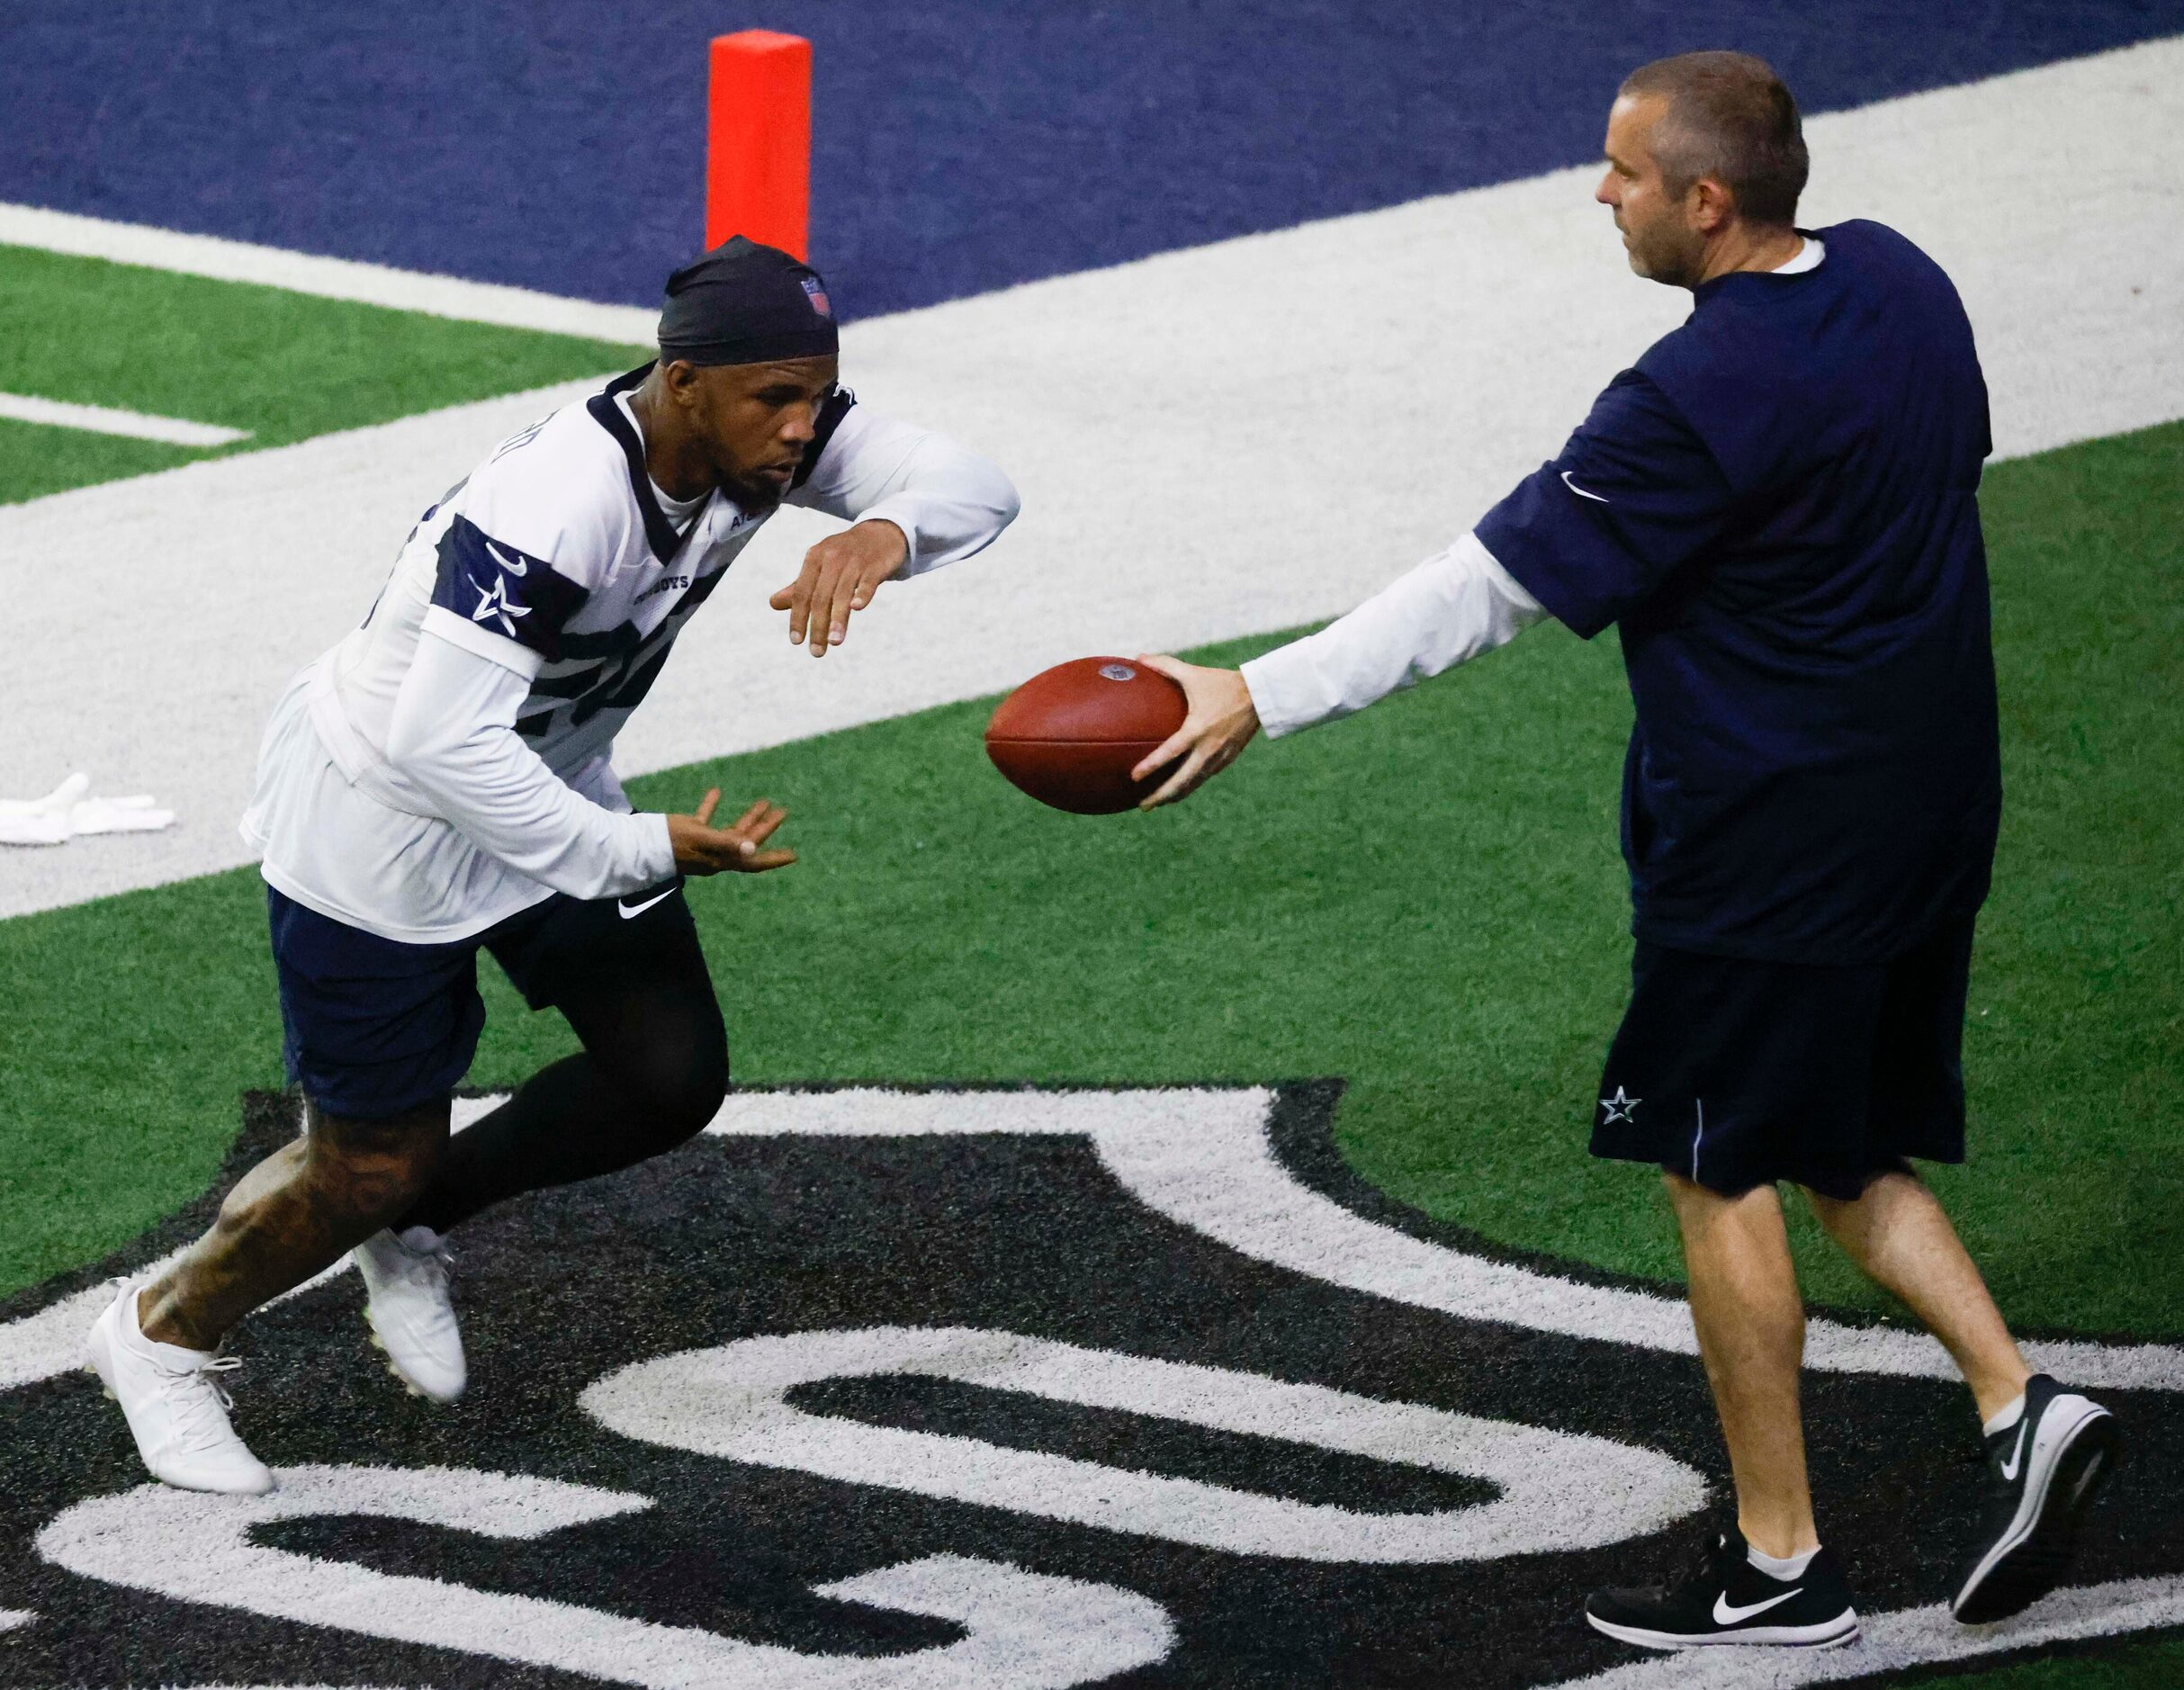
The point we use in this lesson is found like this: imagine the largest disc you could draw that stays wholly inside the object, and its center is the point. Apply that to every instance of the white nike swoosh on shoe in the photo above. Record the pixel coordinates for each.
(1598, 498)
(1724, 1614)
(628, 911)
(2016, 1456)
(2033, 1501)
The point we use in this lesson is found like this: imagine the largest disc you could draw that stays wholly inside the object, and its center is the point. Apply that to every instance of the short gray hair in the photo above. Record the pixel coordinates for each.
(1729, 117)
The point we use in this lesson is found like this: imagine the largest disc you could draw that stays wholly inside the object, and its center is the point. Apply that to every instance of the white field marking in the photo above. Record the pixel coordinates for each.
(1202, 1158)
(15, 1619)
(1021, 1630)
(217, 578)
(328, 278)
(1910, 1637)
(1558, 1490)
(1209, 443)
(101, 419)
(52, 1341)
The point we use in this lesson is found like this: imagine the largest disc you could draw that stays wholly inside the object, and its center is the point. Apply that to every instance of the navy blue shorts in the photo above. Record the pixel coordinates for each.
(375, 1028)
(1735, 1074)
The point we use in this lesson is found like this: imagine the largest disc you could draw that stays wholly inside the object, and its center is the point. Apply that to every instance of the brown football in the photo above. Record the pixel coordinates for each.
(1069, 735)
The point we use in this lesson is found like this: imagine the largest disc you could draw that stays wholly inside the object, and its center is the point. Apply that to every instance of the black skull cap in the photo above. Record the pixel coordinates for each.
(745, 304)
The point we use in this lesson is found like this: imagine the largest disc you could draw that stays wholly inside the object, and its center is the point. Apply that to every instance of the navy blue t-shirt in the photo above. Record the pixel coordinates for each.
(1778, 509)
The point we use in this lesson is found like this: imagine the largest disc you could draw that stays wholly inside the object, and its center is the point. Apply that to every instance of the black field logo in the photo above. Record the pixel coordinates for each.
(875, 1389)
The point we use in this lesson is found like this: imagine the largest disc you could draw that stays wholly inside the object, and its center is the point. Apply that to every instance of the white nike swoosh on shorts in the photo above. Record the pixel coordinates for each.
(1724, 1614)
(1598, 498)
(627, 912)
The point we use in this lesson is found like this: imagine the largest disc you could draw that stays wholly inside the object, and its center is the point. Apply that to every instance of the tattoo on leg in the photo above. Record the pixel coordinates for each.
(297, 1212)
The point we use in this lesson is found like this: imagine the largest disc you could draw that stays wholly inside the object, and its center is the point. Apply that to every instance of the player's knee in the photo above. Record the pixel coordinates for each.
(376, 1187)
(684, 1093)
(373, 1169)
(696, 1099)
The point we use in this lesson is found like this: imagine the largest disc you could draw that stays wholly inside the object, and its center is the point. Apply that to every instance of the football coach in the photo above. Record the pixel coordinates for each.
(1777, 508)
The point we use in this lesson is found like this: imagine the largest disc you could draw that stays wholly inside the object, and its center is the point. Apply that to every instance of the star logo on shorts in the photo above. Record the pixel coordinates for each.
(1619, 1108)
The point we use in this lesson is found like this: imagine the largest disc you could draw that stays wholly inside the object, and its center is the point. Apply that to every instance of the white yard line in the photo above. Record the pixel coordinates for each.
(1210, 443)
(101, 420)
(329, 278)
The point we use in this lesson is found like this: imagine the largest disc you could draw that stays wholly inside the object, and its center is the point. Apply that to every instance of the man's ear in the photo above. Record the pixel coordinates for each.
(1712, 206)
(681, 377)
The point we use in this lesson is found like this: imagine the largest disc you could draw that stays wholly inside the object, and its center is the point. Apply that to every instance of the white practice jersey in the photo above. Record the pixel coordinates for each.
(448, 764)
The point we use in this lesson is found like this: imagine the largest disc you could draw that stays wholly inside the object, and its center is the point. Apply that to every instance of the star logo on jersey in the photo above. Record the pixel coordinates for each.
(1619, 1108)
(494, 605)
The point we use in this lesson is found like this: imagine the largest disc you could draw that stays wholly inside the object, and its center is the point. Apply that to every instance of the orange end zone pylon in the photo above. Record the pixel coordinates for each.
(759, 140)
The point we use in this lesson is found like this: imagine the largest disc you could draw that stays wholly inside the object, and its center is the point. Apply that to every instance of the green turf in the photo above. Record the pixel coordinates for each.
(35, 460)
(282, 365)
(2144, 1667)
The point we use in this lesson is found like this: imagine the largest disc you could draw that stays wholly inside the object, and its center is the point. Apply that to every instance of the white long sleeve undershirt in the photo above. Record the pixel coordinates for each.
(453, 734)
(949, 502)
(1448, 610)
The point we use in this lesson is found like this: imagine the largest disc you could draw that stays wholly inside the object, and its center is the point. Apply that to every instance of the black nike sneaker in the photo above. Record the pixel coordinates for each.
(2042, 1476)
(1722, 1598)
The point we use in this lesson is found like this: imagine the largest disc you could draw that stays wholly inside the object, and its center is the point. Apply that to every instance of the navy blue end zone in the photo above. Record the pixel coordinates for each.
(960, 146)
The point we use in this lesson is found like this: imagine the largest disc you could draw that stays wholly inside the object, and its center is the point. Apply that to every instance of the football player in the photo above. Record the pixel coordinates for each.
(440, 783)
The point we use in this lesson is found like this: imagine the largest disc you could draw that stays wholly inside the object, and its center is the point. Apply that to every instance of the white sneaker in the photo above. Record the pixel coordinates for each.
(409, 1312)
(176, 1412)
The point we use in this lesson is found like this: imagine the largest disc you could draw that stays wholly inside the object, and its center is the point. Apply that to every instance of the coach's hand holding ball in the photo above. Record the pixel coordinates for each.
(701, 849)
(1092, 736)
(1220, 723)
(839, 575)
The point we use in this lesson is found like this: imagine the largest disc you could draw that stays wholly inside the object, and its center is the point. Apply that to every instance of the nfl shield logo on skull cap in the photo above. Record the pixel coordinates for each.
(816, 290)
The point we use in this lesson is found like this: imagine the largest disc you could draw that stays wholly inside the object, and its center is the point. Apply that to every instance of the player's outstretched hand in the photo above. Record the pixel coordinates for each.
(839, 575)
(701, 849)
(1220, 721)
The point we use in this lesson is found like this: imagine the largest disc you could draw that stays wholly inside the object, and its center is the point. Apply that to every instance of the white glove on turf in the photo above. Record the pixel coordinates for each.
(71, 809)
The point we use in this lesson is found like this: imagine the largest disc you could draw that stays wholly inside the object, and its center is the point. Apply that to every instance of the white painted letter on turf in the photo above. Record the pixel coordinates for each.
(1021, 1630)
(1558, 1490)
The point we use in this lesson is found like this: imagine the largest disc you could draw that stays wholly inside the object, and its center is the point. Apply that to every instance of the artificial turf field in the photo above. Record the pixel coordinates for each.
(1440, 923)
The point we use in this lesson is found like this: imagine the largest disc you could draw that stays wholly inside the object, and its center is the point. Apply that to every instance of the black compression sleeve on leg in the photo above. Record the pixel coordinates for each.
(653, 1072)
